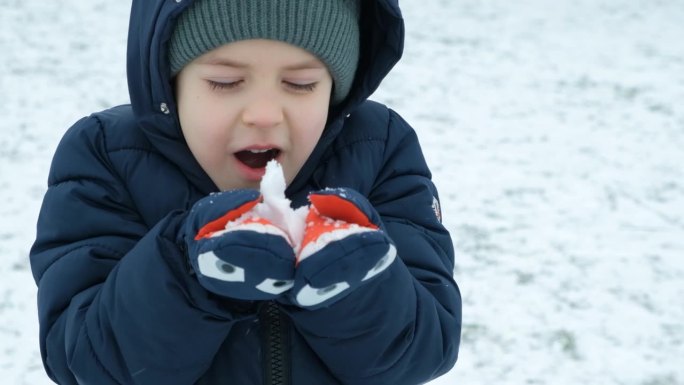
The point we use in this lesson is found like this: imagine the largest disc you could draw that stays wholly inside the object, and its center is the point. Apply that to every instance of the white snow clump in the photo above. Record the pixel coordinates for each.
(276, 207)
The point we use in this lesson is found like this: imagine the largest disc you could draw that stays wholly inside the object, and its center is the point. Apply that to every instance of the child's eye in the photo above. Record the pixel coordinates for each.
(217, 86)
(308, 87)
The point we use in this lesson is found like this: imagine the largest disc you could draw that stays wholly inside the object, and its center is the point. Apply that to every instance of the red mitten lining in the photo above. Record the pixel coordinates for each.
(220, 224)
(334, 216)
(336, 207)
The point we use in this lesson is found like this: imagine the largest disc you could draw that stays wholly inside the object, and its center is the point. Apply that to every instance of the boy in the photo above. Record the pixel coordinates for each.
(151, 264)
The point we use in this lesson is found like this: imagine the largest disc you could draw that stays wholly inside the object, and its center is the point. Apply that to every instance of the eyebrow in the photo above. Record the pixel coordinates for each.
(309, 64)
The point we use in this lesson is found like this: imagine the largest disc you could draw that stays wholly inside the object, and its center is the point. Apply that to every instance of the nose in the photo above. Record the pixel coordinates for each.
(263, 112)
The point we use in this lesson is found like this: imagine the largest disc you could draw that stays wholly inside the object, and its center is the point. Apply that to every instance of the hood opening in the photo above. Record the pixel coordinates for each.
(152, 92)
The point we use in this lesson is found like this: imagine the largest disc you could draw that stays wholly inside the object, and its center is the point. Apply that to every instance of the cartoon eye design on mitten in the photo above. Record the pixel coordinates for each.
(382, 264)
(275, 286)
(213, 267)
(310, 296)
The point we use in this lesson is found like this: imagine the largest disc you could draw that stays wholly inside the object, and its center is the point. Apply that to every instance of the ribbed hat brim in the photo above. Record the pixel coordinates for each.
(328, 29)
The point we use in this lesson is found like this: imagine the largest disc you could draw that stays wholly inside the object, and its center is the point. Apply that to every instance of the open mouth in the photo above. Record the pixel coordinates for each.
(257, 158)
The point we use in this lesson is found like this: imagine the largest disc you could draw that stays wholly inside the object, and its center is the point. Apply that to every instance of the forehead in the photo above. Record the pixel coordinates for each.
(247, 53)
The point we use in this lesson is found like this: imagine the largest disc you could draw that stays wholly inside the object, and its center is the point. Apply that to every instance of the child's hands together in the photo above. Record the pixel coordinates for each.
(245, 250)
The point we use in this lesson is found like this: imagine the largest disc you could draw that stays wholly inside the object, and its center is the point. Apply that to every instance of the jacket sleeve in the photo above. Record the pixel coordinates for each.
(116, 301)
(403, 328)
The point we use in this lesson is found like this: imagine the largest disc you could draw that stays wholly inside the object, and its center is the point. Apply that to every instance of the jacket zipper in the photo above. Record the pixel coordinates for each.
(275, 340)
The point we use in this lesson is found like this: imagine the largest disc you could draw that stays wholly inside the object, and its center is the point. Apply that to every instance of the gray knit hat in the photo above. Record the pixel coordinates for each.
(329, 29)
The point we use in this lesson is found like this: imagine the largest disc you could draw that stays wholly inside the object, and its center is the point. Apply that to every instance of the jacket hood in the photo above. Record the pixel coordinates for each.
(151, 91)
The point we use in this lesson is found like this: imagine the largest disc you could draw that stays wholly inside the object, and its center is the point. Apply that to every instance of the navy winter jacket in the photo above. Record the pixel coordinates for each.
(116, 299)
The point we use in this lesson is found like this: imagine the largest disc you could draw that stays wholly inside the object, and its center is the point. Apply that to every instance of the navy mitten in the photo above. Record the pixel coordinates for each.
(343, 248)
(234, 252)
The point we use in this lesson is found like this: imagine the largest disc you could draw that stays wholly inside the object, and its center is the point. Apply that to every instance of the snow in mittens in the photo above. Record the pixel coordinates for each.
(276, 207)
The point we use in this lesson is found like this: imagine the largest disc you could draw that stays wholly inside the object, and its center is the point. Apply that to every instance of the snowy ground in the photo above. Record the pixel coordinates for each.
(555, 130)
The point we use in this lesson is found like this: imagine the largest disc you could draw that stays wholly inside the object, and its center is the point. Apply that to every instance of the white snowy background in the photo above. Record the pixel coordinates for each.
(555, 131)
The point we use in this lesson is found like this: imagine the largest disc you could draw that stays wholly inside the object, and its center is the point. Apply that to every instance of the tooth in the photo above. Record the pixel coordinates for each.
(259, 151)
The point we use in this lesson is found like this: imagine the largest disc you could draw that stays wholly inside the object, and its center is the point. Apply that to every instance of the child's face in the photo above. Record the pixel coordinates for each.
(247, 102)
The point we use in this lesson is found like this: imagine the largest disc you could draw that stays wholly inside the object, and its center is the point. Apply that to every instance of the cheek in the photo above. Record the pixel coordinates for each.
(312, 135)
(310, 126)
(195, 107)
(205, 135)
(312, 119)
(201, 121)
(311, 122)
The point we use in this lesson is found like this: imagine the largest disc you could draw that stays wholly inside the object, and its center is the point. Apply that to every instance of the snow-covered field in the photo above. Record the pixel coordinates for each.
(555, 130)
